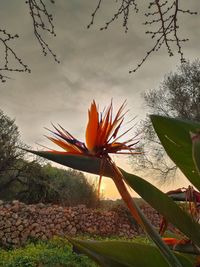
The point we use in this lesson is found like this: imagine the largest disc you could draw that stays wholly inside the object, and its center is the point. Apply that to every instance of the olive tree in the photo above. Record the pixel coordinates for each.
(177, 96)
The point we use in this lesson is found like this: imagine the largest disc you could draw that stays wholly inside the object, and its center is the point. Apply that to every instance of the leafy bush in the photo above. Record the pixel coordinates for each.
(33, 181)
(54, 253)
(68, 187)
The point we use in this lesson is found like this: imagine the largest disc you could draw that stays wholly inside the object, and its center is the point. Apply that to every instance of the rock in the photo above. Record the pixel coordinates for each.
(20, 228)
(41, 205)
(73, 231)
(15, 216)
(15, 202)
(18, 222)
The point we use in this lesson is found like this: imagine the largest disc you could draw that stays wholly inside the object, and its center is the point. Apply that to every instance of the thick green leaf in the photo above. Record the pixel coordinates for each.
(153, 234)
(82, 163)
(165, 206)
(156, 198)
(174, 135)
(125, 254)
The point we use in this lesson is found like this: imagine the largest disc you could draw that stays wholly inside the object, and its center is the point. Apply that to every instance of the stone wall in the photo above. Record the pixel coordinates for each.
(19, 222)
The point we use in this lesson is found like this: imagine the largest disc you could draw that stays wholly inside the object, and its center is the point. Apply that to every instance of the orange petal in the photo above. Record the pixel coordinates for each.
(104, 127)
(92, 127)
(68, 147)
(116, 124)
(170, 240)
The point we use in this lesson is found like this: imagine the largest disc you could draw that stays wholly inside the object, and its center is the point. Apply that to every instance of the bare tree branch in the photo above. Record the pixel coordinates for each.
(10, 56)
(162, 18)
(123, 10)
(162, 15)
(42, 22)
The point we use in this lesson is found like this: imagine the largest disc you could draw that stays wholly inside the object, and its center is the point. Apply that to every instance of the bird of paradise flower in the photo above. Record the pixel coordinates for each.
(101, 137)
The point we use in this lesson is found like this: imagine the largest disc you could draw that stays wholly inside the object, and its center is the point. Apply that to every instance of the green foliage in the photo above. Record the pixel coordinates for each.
(9, 139)
(178, 96)
(152, 195)
(165, 206)
(33, 182)
(174, 135)
(181, 141)
(10, 154)
(49, 184)
(54, 185)
(54, 253)
(124, 254)
(15, 171)
(92, 164)
(68, 187)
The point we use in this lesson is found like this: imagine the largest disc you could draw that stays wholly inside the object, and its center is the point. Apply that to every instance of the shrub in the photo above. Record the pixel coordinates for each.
(53, 253)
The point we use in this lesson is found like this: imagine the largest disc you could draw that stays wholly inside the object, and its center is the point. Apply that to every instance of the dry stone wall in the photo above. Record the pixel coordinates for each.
(20, 222)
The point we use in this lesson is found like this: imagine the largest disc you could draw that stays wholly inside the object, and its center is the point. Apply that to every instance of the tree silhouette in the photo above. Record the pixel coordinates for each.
(177, 96)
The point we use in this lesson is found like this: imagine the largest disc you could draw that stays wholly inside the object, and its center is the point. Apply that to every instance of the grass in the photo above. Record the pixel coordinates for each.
(56, 252)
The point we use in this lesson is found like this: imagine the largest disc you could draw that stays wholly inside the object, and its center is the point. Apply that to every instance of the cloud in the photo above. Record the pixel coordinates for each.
(94, 65)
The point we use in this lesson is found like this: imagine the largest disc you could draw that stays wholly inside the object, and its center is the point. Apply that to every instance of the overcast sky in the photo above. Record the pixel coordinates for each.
(94, 65)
